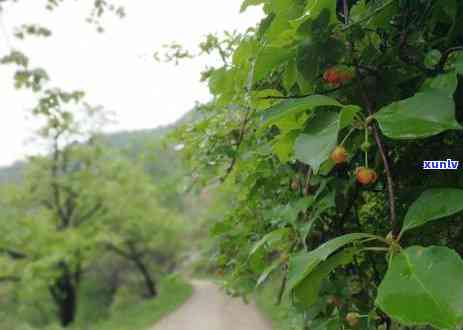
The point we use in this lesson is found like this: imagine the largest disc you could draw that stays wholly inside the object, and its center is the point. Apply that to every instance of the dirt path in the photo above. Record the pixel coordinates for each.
(210, 309)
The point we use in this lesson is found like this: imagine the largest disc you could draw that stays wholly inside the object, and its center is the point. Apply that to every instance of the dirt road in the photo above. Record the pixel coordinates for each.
(210, 309)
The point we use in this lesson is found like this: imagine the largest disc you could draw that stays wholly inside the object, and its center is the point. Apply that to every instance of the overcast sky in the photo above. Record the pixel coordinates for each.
(116, 69)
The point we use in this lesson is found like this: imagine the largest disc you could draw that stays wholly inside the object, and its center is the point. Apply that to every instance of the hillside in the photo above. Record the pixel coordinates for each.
(131, 143)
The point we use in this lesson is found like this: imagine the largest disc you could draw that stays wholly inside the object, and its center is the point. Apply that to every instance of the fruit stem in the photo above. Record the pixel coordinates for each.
(347, 136)
(366, 150)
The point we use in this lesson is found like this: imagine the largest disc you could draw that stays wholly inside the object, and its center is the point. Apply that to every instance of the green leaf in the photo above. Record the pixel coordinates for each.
(459, 63)
(423, 115)
(309, 57)
(270, 238)
(423, 286)
(446, 82)
(315, 8)
(269, 59)
(283, 145)
(432, 58)
(244, 53)
(358, 11)
(262, 99)
(308, 290)
(295, 106)
(347, 115)
(302, 264)
(433, 204)
(312, 58)
(249, 3)
(290, 76)
(219, 81)
(280, 32)
(315, 146)
(265, 274)
(450, 7)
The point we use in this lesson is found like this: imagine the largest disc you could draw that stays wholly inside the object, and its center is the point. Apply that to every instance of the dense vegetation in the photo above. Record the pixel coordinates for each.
(322, 118)
(87, 221)
(94, 228)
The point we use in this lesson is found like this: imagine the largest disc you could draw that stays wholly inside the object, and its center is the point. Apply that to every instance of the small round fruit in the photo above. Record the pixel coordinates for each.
(339, 155)
(330, 75)
(366, 175)
(353, 319)
(365, 146)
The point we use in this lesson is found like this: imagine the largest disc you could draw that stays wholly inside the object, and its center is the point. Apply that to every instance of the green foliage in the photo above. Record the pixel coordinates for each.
(366, 75)
(77, 204)
(413, 289)
(416, 117)
(432, 205)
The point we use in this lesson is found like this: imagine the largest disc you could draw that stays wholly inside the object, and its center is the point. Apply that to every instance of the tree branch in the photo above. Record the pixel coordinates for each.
(390, 184)
(91, 212)
(14, 254)
(118, 251)
(282, 289)
(242, 132)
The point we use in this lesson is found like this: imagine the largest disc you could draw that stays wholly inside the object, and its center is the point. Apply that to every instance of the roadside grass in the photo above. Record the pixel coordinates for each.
(281, 316)
(173, 292)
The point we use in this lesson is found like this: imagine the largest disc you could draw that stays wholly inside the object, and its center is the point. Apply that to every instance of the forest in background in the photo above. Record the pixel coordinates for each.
(134, 260)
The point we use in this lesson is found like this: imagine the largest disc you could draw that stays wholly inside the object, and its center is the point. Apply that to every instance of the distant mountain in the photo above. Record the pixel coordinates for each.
(12, 173)
(130, 142)
(161, 161)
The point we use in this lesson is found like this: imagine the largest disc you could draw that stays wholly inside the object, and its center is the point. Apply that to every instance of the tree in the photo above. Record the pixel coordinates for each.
(138, 228)
(79, 200)
(57, 205)
(380, 80)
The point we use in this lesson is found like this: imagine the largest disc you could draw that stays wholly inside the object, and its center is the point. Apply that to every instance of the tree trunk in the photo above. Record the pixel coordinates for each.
(64, 293)
(152, 291)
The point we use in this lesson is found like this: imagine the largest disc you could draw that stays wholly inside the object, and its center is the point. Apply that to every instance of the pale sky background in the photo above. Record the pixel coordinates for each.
(116, 69)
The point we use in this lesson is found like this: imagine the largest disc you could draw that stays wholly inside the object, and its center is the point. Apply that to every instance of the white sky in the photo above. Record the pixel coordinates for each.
(116, 69)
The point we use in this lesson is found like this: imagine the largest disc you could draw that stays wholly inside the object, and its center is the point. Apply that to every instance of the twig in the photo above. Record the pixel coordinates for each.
(346, 12)
(379, 143)
(244, 124)
(328, 91)
(247, 116)
(282, 289)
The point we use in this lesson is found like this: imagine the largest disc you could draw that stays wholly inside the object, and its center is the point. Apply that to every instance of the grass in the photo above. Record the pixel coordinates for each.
(173, 292)
(280, 316)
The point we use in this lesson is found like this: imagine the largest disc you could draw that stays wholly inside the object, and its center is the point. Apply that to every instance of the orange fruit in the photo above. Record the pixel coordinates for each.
(366, 175)
(353, 319)
(336, 76)
(339, 155)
